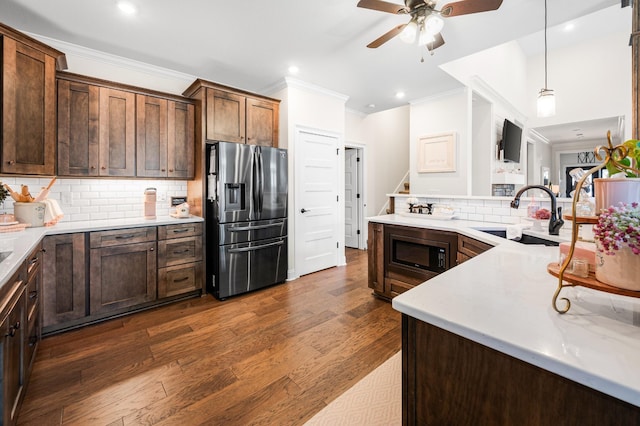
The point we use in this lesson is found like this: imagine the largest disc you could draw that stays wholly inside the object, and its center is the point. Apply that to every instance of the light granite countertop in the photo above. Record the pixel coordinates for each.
(21, 243)
(503, 299)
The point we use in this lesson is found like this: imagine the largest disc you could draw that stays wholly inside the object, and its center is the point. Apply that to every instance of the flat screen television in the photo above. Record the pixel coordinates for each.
(511, 141)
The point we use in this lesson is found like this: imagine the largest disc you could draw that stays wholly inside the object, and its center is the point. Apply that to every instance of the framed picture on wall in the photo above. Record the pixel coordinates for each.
(437, 153)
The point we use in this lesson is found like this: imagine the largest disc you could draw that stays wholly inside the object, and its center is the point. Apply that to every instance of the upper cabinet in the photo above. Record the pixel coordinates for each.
(232, 115)
(28, 104)
(109, 129)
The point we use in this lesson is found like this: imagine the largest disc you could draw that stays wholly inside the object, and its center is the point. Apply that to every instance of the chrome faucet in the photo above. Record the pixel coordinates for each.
(555, 222)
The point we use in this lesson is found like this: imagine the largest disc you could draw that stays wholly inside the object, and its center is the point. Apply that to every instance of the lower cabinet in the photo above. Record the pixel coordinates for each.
(20, 333)
(64, 280)
(469, 248)
(93, 276)
(123, 269)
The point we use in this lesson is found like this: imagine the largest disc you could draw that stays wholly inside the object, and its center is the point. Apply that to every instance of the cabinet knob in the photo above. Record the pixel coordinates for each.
(170, 170)
(93, 167)
(33, 295)
(151, 249)
(162, 170)
(13, 329)
(103, 168)
(11, 162)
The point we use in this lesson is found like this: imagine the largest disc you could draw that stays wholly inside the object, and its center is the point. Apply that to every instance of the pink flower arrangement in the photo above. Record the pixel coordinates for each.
(618, 225)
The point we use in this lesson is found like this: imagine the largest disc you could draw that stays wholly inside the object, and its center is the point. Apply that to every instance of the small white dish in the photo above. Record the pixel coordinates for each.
(9, 223)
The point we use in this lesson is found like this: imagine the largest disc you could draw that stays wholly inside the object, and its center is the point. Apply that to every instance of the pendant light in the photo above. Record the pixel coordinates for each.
(546, 97)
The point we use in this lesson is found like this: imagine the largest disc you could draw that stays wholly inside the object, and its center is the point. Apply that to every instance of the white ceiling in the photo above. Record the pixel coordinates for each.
(250, 44)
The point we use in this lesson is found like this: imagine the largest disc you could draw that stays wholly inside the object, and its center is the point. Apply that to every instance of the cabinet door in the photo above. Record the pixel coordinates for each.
(117, 133)
(78, 118)
(28, 110)
(375, 249)
(262, 122)
(33, 331)
(225, 116)
(12, 334)
(180, 145)
(180, 279)
(151, 138)
(63, 279)
(122, 276)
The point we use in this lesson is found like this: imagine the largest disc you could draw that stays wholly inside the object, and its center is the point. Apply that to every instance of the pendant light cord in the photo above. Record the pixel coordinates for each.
(545, 44)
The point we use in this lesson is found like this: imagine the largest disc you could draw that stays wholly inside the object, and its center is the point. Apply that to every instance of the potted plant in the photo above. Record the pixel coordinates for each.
(617, 236)
(623, 185)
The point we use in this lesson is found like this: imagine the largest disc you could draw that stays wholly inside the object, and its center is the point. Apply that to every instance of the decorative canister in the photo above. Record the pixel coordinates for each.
(621, 269)
(31, 213)
(612, 191)
(150, 203)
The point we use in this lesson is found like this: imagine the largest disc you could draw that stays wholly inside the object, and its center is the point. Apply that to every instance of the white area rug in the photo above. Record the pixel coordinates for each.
(374, 400)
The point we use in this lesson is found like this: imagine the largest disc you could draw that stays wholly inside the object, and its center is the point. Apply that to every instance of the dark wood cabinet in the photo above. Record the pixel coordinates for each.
(33, 313)
(117, 133)
(123, 269)
(451, 380)
(28, 104)
(469, 248)
(180, 267)
(233, 115)
(164, 141)
(78, 132)
(402, 257)
(375, 253)
(111, 129)
(262, 122)
(64, 280)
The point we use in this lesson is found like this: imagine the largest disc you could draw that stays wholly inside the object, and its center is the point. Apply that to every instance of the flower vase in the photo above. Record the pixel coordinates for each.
(612, 191)
(621, 269)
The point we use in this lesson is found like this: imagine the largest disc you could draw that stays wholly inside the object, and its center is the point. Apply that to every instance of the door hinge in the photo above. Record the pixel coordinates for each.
(357, 195)
(337, 198)
(358, 232)
(337, 244)
(337, 151)
(357, 159)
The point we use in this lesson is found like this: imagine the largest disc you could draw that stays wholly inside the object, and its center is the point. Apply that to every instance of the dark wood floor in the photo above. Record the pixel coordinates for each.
(272, 357)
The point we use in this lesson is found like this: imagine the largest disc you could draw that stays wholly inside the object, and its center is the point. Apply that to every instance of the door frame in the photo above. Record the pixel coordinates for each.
(362, 201)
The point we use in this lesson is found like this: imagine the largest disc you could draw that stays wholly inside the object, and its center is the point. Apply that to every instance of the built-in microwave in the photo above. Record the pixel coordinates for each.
(417, 253)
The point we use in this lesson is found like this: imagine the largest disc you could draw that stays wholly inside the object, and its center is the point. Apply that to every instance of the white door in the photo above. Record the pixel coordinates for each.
(316, 203)
(351, 212)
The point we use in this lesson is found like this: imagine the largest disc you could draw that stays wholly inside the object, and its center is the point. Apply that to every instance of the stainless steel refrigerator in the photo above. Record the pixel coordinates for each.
(246, 218)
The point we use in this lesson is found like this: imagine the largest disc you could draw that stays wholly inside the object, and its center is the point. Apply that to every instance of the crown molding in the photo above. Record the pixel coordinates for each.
(289, 82)
(437, 96)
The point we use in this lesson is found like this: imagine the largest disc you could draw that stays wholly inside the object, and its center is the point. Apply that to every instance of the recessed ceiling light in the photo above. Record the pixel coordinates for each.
(569, 27)
(293, 69)
(371, 105)
(127, 8)
(399, 95)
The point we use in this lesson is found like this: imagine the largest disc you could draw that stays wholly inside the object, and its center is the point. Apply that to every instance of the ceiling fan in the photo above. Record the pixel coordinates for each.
(426, 22)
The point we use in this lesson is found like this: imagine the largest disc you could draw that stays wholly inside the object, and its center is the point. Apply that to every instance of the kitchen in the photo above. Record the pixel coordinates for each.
(177, 188)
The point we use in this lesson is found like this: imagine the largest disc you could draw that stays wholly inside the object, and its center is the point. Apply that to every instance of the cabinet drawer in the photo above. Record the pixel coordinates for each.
(471, 247)
(179, 250)
(33, 298)
(177, 231)
(121, 236)
(176, 280)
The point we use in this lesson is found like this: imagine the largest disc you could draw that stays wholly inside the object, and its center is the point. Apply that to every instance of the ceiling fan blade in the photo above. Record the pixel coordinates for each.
(466, 7)
(382, 6)
(386, 37)
(439, 41)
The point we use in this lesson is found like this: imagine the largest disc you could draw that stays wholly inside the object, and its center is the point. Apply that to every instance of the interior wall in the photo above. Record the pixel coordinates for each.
(449, 112)
(386, 136)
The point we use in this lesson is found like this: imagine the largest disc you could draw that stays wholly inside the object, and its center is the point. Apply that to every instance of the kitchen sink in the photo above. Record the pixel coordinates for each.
(526, 239)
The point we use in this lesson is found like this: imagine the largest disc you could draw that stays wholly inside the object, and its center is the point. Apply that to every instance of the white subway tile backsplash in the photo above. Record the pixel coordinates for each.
(93, 199)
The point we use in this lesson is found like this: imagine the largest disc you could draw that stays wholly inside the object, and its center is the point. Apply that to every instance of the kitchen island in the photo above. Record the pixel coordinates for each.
(482, 343)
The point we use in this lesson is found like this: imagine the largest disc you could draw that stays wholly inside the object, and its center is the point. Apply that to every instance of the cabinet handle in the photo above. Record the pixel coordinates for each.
(181, 251)
(13, 329)
(33, 295)
(124, 237)
(33, 340)
(33, 261)
(181, 280)
(180, 231)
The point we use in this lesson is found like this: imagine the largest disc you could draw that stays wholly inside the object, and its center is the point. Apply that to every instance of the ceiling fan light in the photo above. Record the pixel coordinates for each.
(408, 34)
(433, 24)
(425, 37)
(546, 103)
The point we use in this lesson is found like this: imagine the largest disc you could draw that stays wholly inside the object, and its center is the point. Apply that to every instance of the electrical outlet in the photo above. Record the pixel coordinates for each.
(162, 196)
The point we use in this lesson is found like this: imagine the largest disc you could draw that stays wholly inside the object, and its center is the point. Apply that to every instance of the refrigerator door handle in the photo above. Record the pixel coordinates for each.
(261, 178)
(255, 181)
(250, 228)
(254, 248)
